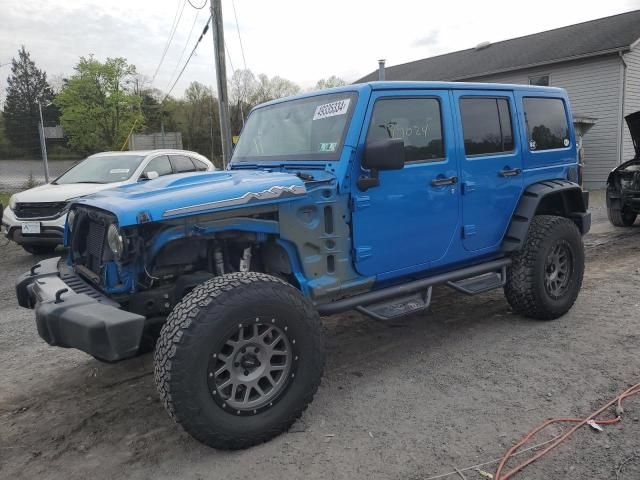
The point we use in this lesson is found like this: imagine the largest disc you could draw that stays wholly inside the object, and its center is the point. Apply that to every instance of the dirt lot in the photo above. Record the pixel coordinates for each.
(409, 400)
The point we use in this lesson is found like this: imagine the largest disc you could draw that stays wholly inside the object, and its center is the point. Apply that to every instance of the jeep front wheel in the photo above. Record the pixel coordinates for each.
(545, 277)
(239, 359)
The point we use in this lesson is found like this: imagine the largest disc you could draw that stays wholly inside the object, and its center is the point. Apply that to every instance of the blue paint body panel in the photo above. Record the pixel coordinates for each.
(404, 228)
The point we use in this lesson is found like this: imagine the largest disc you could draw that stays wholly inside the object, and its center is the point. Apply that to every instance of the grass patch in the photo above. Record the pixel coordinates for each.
(4, 199)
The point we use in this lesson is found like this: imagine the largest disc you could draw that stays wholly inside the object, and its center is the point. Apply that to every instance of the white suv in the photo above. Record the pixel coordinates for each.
(35, 218)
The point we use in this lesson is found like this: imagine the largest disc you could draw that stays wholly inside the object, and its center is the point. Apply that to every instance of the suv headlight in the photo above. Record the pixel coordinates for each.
(114, 240)
(12, 202)
(71, 216)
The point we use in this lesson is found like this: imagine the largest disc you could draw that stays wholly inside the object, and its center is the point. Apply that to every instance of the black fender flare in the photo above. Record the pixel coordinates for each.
(552, 197)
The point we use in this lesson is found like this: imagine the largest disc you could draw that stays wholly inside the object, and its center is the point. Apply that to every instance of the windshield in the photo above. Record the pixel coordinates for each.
(310, 128)
(101, 169)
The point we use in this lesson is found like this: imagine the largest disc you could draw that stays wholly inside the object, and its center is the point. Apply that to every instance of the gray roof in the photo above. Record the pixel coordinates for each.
(596, 37)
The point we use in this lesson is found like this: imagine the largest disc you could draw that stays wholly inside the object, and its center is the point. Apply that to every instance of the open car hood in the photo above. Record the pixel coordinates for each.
(633, 121)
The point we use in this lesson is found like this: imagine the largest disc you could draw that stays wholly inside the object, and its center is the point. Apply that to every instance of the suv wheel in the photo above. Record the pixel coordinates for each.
(620, 218)
(545, 277)
(239, 359)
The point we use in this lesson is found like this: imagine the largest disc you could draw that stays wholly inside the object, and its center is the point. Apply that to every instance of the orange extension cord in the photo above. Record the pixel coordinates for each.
(579, 423)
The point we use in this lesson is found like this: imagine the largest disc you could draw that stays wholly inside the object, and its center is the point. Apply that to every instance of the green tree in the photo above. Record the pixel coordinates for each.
(99, 105)
(26, 85)
(330, 82)
(196, 117)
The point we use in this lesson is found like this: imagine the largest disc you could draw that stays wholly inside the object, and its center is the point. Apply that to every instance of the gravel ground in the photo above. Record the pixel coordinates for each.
(406, 400)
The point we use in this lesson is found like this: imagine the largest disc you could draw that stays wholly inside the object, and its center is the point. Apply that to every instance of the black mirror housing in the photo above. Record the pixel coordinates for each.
(387, 154)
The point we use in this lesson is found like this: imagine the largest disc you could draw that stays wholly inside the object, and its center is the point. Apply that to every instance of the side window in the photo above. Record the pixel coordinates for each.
(160, 165)
(547, 126)
(486, 125)
(182, 164)
(415, 120)
(200, 166)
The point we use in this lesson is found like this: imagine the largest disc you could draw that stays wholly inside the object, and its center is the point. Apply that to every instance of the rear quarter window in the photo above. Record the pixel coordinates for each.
(546, 120)
(182, 164)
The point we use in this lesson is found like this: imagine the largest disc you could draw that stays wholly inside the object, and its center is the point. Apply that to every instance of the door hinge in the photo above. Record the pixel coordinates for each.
(469, 231)
(360, 202)
(467, 187)
(363, 253)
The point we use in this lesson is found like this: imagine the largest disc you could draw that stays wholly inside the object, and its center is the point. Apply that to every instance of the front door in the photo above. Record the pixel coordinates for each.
(490, 166)
(410, 219)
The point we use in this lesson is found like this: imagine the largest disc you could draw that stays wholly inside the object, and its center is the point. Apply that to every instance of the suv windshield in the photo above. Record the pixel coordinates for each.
(101, 169)
(310, 128)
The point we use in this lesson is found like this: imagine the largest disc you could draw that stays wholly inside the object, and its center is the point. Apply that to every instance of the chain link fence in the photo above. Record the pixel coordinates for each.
(18, 175)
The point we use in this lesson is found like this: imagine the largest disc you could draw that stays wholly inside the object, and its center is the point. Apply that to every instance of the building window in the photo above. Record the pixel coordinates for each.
(414, 120)
(547, 126)
(539, 80)
(486, 125)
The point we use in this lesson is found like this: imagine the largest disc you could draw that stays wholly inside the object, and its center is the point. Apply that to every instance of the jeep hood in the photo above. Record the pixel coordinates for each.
(633, 122)
(191, 194)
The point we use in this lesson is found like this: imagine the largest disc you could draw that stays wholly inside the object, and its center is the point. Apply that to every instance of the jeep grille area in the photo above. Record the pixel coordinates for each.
(88, 238)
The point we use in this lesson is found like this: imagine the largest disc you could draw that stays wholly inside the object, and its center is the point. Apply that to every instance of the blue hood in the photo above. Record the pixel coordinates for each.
(189, 194)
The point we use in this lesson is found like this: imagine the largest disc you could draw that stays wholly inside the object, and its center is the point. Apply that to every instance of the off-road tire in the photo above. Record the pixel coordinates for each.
(199, 321)
(39, 249)
(525, 286)
(620, 218)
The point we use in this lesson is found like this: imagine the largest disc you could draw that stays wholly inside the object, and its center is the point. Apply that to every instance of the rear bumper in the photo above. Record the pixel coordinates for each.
(72, 314)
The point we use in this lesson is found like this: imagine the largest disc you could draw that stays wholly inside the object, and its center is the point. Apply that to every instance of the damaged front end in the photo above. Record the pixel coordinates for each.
(623, 184)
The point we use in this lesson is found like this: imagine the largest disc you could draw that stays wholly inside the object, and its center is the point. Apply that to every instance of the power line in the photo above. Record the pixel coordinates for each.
(244, 60)
(226, 47)
(174, 27)
(198, 8)
(204, 31)
(183, 49)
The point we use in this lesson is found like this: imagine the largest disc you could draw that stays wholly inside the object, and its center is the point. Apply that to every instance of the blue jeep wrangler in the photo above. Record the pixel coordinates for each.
(361, 197)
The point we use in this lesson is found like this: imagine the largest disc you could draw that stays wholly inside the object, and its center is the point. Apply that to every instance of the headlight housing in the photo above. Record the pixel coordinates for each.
(71, 216)
(12, 202)
(114, 240)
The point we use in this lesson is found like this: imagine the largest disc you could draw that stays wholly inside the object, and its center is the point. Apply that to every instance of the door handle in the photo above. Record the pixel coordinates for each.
(510, 172)
(441, 181)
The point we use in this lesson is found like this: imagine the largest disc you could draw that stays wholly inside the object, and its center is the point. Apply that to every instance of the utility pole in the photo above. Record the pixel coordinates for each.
(221, 77)
(43, 146)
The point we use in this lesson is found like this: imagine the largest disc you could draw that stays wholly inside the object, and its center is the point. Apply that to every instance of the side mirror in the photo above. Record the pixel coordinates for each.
(387, 154)
(149, 175)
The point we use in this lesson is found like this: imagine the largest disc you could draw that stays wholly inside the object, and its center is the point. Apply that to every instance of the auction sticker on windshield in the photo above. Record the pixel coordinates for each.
(332, 109)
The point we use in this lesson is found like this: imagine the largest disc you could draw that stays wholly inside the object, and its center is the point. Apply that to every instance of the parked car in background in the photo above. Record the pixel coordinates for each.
(623, 184)
(35, 218)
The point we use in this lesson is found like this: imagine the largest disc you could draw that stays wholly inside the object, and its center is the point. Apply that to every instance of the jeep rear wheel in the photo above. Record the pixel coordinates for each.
(620, 218)
(545, 277)
(239, 359)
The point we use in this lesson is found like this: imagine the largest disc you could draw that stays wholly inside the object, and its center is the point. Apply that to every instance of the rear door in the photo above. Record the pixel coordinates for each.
(410, 219)
(491, 165)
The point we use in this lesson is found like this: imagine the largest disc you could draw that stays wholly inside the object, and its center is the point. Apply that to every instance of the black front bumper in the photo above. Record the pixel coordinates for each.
(70, 313)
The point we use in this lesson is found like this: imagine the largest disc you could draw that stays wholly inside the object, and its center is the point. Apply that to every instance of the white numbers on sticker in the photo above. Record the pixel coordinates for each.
(332, 109)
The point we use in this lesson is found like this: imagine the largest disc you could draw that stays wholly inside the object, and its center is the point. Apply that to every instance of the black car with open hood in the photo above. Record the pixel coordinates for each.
(623, 184)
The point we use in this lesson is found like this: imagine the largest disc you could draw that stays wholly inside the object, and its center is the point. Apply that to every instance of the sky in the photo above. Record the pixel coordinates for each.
(302, 41)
